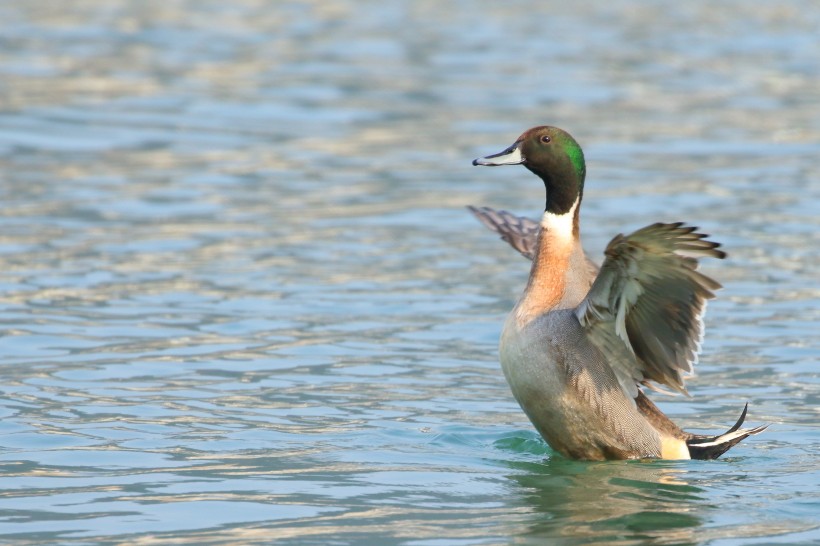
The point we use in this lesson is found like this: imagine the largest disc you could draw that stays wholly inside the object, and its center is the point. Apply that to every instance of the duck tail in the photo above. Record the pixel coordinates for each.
(712, 447)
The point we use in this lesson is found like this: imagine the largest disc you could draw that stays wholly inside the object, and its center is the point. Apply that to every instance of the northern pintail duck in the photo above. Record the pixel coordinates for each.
(582, 342)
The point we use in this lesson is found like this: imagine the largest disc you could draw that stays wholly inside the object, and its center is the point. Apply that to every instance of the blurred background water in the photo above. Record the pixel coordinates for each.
(241, 300)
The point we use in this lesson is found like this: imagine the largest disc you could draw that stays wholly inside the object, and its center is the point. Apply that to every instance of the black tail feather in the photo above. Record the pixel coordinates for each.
(712, 447)
(739, 421)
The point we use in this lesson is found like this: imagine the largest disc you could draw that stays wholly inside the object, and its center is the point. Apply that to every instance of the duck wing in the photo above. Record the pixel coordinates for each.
(645, 308)
(520, 232)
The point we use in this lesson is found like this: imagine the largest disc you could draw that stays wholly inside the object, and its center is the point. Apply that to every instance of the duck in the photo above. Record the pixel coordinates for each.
(583, 342)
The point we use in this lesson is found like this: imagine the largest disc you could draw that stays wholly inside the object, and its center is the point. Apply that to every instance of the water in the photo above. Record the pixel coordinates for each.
(242, 301)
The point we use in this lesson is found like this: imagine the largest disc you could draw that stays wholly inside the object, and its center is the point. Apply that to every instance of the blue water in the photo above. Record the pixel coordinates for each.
(241, 300)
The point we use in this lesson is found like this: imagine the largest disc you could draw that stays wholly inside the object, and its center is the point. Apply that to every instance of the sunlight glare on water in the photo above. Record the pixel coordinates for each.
(242, 300)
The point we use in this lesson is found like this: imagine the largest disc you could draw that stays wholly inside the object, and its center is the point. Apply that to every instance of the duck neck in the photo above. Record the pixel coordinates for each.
(564, 197)
(557, 255)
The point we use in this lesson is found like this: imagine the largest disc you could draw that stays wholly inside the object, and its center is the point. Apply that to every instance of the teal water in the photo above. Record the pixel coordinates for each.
(241, 300)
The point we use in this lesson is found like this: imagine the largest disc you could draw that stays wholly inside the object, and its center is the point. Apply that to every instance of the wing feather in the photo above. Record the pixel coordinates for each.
(649, 297)
(520, 232)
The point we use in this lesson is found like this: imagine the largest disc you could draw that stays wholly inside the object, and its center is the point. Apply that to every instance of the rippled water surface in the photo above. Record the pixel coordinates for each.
(242, 300)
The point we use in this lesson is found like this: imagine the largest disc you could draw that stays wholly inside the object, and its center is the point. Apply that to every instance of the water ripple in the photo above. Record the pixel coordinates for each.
(241, 300)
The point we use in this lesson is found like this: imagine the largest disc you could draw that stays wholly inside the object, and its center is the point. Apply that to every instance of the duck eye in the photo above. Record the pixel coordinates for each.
(546, 139)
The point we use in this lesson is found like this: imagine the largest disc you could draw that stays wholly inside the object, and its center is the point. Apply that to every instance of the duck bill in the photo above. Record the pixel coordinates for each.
(510, 156)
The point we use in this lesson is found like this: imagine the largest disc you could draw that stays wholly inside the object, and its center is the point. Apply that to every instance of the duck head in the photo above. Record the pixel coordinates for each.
(555, 157)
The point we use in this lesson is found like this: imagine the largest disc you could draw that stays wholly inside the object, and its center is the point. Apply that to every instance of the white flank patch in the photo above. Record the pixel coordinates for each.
(560, 226)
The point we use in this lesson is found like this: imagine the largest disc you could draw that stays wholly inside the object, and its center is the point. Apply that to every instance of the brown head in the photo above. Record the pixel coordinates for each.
(555, 157)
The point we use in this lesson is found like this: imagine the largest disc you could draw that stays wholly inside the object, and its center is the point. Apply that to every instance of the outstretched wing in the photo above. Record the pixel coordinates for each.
(645, 308)
(520, 232)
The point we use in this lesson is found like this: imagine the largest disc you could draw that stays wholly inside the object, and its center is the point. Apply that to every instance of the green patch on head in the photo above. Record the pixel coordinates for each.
(576, 155)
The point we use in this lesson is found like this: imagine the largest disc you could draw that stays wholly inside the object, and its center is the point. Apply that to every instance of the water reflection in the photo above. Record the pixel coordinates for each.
(611, 501)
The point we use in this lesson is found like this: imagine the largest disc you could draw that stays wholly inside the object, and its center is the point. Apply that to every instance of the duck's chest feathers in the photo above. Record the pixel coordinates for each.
(559, 276)
(544, 379)
(532, 358)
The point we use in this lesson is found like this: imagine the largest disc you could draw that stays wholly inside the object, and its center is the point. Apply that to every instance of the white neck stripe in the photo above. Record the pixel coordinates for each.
(560, 225)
